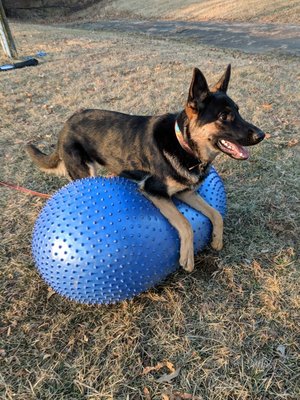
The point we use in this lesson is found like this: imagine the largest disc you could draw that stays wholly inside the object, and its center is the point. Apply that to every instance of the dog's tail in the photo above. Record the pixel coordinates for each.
(48, 163)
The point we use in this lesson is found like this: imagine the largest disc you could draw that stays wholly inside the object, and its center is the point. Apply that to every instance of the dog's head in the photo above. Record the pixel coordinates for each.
(214, 123)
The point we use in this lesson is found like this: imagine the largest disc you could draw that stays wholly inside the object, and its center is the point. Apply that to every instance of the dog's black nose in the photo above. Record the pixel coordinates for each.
(257, 135)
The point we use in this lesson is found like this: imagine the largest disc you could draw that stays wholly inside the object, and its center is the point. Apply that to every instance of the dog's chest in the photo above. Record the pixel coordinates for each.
(175, 186)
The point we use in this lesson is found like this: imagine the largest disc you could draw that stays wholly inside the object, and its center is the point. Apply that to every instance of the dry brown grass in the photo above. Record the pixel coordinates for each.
(279, 11)
(232, 327)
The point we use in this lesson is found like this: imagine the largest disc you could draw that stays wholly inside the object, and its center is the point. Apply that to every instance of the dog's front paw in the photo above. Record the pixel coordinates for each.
(217, 242)
(187, 258)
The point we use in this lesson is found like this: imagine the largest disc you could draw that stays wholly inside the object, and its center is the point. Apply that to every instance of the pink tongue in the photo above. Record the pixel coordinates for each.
(239, 151)
(235, 150)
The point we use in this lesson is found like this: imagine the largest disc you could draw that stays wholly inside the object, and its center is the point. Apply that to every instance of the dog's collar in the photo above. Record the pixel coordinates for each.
(185, 145)
(181, 140)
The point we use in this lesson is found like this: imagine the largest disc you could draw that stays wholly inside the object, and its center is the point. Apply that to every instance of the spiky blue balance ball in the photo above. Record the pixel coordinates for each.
(100, 240)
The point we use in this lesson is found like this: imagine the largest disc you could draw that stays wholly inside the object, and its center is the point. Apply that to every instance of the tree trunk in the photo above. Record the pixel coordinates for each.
(6, 38)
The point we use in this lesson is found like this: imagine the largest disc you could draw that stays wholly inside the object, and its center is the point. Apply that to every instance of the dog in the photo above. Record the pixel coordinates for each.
(167, 155)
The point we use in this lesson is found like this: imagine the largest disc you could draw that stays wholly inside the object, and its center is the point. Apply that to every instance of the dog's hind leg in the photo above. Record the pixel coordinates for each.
(195, 201)
(77, 162)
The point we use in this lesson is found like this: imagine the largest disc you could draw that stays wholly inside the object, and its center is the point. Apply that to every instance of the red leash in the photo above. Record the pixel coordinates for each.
(24, 190)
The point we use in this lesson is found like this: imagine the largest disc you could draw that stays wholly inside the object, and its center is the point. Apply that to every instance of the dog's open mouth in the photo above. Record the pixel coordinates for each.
(234, 150)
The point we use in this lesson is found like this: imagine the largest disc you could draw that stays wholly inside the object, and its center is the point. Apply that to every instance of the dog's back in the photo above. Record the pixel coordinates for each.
(117, 141)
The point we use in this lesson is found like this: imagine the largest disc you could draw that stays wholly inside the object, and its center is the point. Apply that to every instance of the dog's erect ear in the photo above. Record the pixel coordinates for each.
(198, 92)
(222, 84)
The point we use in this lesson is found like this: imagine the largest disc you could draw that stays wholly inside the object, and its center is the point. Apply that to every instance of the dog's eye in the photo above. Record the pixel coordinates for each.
(223, 116)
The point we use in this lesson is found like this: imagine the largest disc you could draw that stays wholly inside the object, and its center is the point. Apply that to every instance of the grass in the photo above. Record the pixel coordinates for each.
(278, 11)
(231, 328)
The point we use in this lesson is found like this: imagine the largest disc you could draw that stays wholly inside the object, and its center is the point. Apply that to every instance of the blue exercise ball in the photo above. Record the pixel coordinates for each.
(99, 240)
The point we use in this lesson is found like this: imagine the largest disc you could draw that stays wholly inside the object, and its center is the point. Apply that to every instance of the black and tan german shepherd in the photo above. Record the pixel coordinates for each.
(168, 155)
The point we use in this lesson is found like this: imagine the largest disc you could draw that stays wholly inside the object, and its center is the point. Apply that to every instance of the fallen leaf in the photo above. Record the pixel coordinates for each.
(168, 377)
(257, 270)
(2, 353)
(147, 394)
(159, 366)
(181, 396)
(50, 293)
(170, 366)
(267, 106)
(150, 369)
(85, 338)
(293, 142)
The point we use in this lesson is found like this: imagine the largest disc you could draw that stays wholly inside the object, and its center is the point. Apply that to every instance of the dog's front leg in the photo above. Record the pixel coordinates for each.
(194, 200)
(181, 224)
